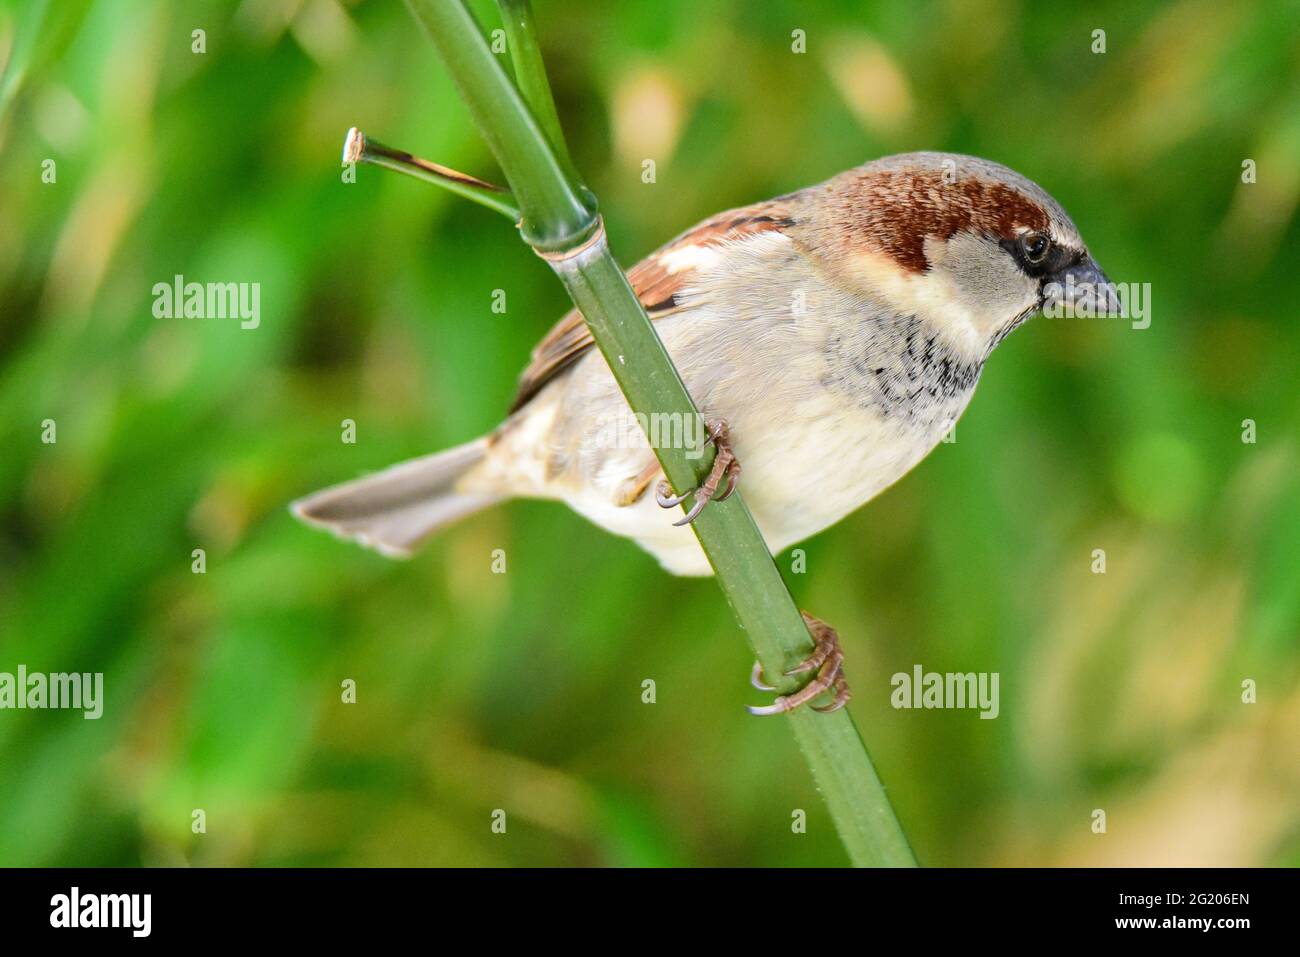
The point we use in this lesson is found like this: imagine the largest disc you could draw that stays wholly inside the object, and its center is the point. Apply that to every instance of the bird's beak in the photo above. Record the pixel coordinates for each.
(1081, 289)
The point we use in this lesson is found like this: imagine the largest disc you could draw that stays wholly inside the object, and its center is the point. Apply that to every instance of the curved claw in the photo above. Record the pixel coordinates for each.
(756, 678)
(665, 498)
(694, 513)
(779, 706)
(842, 696)
(733, 479)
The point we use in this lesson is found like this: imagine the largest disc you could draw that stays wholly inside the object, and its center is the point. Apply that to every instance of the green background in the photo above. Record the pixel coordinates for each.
(523, 691)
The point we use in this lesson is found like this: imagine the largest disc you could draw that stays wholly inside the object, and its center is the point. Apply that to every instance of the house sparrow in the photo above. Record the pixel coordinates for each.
(837, 331)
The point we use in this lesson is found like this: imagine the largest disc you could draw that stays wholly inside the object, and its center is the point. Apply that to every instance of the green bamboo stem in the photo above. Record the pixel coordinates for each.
(564, 229)
(556, 213)
(534, 84)
(358, 148)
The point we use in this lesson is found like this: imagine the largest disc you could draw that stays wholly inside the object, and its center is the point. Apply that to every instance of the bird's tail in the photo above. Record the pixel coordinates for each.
(395, 510)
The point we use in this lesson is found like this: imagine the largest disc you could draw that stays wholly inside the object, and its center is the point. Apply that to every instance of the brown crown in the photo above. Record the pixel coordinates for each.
(896, 210)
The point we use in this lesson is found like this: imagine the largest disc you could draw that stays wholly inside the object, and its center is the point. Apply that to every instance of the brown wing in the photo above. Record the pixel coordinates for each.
(655, 285)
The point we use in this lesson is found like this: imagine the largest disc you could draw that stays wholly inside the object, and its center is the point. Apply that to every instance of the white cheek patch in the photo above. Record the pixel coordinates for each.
(934, 294)
(971, 291)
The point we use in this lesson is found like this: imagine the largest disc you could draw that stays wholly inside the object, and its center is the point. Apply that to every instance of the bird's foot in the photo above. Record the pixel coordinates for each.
(725, 465)
(827, 661)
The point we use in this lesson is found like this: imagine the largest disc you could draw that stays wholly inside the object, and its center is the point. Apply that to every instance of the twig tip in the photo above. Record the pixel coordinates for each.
(354, 147)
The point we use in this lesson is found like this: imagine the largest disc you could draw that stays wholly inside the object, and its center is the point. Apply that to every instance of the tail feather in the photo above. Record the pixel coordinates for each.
(394, 510)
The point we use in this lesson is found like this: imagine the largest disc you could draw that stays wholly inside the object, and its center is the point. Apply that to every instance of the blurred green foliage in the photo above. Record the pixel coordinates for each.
(522, 691)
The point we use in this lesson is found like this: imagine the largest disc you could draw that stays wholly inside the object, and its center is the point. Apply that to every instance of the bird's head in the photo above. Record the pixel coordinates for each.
(970, 246)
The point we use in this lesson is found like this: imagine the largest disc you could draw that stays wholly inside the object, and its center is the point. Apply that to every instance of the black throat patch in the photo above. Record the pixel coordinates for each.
(901, 370)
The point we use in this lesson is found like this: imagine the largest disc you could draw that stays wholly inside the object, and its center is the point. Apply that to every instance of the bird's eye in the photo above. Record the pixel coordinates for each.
(1035, 246)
